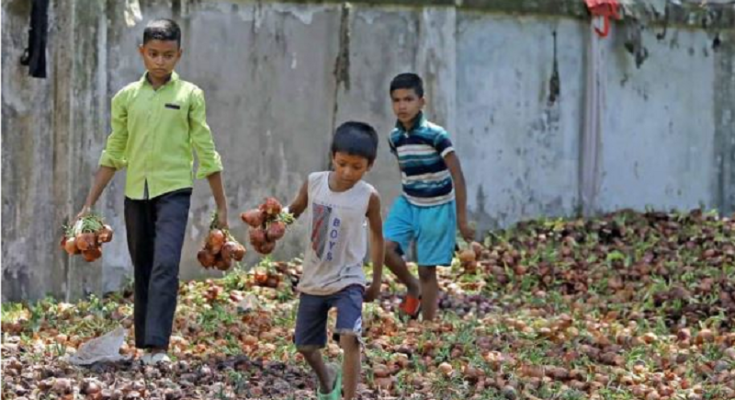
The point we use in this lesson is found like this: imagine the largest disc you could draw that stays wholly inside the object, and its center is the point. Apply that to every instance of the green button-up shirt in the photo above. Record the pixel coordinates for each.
(154, 135)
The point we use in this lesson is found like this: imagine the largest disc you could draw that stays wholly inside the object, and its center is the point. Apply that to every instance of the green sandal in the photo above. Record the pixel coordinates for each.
(336, 393)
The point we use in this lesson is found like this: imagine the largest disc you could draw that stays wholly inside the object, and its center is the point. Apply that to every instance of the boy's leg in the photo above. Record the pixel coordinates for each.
(429, 292)
(435, 247)
(326, 377)
(396, 264)
(172, 212)
(350, 365)
(311, 335)
(349, 328)
(399, 231)
(139, 224)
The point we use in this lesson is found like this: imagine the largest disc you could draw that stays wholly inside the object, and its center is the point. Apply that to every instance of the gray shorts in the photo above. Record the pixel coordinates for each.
(311, 320)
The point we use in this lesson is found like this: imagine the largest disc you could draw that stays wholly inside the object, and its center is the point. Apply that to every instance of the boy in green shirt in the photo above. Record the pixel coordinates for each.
(157, 123)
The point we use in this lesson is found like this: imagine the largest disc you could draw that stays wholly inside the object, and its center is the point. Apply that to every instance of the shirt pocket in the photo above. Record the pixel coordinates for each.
(175, 117)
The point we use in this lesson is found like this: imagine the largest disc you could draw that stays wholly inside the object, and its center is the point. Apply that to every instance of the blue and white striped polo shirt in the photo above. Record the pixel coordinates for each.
(420, 151)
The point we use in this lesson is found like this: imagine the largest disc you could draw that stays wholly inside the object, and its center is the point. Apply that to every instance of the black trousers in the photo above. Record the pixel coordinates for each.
(155, 233)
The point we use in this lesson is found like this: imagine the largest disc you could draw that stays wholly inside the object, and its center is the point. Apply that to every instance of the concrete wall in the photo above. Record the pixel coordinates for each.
(521, 152)
(279, 77)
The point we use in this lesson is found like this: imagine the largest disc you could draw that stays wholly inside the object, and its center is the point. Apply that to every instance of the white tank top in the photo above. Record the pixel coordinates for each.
(337, 242)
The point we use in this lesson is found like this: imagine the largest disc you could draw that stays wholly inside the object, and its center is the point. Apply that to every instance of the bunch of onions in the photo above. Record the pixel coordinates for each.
(267, 225)
(220, 248)
(86, 237)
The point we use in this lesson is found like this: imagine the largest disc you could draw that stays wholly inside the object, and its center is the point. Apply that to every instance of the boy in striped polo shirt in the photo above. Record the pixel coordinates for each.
(433, 202)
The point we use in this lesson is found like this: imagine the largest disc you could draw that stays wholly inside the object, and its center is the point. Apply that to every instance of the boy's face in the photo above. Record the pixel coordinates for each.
(349, 168)
(406, 104)
(160, 57)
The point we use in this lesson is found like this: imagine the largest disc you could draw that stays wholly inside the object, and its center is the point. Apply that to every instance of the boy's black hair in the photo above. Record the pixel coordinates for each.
(408, 80)
(356, 138)
(162, 29)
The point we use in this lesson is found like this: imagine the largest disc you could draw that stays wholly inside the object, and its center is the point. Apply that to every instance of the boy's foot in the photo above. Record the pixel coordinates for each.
(411, 305)
(335, 374)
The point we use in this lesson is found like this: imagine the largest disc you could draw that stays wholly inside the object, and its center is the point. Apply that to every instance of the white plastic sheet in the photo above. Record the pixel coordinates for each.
(105, 348)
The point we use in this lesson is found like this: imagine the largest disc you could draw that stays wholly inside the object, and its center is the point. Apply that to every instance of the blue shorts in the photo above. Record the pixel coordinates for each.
(433, 228)
(311, 320)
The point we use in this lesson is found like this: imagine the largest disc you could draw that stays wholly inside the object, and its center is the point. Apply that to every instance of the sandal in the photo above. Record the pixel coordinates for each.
(336, 393)
(155, 358)
(411, 305)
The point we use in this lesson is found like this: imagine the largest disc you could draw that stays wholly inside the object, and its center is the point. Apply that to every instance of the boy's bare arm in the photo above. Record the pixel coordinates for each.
(377, 246)
(101, 179)
(218, 191)
(455, 168)
(299, 204)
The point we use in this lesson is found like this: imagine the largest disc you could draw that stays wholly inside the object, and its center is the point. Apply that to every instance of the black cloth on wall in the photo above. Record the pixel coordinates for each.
(35, 54)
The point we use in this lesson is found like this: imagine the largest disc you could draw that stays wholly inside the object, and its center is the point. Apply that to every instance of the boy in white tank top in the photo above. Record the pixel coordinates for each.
(339, 206)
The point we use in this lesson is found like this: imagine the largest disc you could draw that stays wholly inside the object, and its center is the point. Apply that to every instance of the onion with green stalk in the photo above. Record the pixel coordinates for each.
(86, 237)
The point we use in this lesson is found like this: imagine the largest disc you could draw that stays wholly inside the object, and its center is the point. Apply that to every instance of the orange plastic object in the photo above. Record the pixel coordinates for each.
(605, 9)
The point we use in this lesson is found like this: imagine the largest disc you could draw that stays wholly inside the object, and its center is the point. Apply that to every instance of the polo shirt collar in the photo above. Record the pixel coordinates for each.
(418, 122)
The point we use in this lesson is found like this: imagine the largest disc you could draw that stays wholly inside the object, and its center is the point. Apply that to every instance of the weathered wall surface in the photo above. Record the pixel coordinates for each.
(659, 131)
(28, 190)
(280, 76)
(520, 150)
